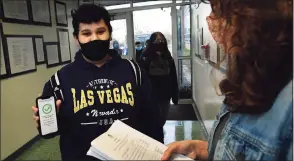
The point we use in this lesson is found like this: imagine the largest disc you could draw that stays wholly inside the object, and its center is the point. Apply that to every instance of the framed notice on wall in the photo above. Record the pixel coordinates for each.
(40, 49)
(41, 14)
(52, 54)
(64, 45)
(16, 11)
(61, 14)
(3, 70)
(21, 54)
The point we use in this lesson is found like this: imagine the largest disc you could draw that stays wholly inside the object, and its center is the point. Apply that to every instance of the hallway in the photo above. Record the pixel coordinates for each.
(182, 23)
(174, 130)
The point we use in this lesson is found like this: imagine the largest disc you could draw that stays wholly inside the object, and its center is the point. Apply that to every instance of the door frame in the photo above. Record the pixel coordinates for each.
(130, 32)
(127, 13)
(176, 56)
(138, 8)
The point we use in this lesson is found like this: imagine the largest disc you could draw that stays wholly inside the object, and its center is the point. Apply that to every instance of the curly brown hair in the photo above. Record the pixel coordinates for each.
(256, 36)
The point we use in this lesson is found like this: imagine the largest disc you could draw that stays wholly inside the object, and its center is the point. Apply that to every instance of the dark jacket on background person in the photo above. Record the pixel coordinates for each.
(119, 51)
(139, 55)
(101, 95)
(162, 73)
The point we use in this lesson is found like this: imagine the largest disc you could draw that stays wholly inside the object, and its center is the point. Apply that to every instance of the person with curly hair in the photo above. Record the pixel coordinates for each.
(255, 121)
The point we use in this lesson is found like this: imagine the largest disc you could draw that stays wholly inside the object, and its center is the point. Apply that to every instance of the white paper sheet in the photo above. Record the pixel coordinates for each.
(94, 153)
(16, 9)
(40, 9)
(40, 49)
(122, 142)
(21, 54)
(61, 13)
(52, 54)
(64, 45)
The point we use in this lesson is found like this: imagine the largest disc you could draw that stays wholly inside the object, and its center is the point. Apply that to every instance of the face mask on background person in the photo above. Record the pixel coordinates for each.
(95, 50)
(159, 47)
(138, 48)
(115, 46)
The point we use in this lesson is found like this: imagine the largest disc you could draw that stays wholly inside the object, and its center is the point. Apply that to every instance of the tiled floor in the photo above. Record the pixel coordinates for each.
(182, 130)
(174, 131)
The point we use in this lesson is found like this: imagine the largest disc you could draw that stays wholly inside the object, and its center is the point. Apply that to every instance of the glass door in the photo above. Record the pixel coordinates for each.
(120, 36)
(184, 56)
(149, 21)
(173, 20)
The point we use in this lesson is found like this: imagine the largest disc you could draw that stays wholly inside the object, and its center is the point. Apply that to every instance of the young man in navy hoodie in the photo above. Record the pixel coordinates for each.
(98, 88)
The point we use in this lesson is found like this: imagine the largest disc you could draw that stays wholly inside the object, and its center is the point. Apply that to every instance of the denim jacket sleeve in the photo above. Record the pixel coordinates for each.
(268, 136)
(289, 137)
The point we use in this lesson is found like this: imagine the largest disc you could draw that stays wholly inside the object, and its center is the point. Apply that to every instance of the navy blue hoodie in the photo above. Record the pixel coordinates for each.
(96, 96)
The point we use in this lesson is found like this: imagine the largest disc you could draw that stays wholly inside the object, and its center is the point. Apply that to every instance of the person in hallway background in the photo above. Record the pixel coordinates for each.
(146, 45)
(116, 47)
(139, 50)
(144, 50)
(98, 88)
(255, 121)
(160, 66)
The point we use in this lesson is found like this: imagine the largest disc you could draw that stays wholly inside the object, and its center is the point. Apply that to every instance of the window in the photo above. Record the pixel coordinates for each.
(118, 6)
(119, 34)
(147, 21)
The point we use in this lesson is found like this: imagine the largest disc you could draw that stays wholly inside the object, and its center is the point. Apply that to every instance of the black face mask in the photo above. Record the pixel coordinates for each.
(159, 47)
(95, 50)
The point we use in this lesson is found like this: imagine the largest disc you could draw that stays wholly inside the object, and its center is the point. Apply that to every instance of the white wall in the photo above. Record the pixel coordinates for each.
(18, 93)
(204, 93)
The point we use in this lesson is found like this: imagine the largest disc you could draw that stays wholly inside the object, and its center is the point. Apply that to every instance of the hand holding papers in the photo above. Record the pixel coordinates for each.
(122, 142)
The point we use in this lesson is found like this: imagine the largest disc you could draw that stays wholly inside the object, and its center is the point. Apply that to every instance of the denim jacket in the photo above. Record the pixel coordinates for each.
(268, 136)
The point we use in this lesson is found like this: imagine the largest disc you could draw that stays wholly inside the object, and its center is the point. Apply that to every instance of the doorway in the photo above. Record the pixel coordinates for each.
(184, 55)
(121, 35)
(149, 21)
(173, 20)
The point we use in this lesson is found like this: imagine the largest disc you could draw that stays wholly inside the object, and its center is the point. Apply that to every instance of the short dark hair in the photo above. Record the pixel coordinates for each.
(138, 43)
(89, 13)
